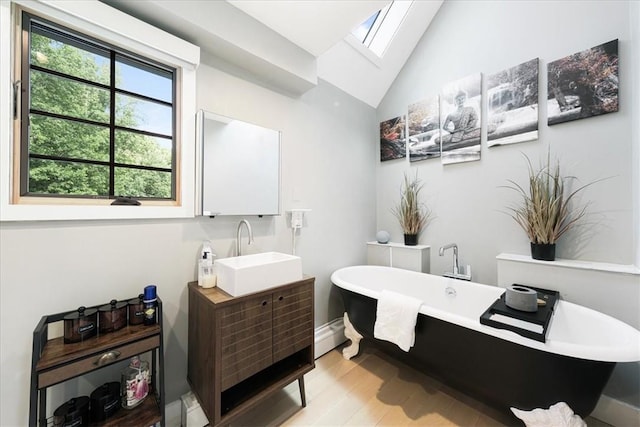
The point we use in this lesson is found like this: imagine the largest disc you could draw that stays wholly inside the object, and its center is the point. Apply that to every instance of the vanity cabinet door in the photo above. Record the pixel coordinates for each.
(246, 344)
(292, 320)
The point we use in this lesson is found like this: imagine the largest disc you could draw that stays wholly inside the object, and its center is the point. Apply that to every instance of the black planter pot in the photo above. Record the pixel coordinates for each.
(543, 251)
(410, 239)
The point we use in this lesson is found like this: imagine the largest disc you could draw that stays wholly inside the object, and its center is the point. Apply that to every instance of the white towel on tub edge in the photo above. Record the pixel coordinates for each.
(396, 318)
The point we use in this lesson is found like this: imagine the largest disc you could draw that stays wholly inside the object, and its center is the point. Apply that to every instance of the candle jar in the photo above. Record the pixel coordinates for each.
(135, 383)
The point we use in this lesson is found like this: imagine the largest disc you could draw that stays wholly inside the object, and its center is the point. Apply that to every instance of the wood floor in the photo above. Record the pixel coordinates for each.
(373, 389)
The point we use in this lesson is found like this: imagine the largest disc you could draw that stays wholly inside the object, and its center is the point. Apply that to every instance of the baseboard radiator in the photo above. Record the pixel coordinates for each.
(616, 412)
(329, 336)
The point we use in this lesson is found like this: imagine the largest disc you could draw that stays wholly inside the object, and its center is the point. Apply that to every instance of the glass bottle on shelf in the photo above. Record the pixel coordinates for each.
(136, 380)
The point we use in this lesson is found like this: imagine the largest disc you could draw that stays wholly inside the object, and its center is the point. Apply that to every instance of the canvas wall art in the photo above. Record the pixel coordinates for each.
(460, 117)
(584, 84)
(512, 104)
(392, 139)
(424, 129)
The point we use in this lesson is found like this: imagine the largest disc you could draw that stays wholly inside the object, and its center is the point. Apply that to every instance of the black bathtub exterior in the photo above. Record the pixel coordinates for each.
(501, 373)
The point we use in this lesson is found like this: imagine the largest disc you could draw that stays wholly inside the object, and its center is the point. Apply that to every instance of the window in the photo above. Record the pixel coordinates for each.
(95, 30)
(364, 29)
(98, 122)
(377, 31)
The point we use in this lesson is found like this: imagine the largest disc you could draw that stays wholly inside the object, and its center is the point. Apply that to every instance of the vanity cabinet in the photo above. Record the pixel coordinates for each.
(243, 349)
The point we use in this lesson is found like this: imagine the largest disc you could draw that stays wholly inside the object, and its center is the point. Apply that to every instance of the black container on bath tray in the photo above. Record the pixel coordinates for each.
(541, 317)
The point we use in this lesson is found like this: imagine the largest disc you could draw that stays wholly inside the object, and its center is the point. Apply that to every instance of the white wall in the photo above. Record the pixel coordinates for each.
(634, 19)
(328, 166)
(328, 162)
(468, 37)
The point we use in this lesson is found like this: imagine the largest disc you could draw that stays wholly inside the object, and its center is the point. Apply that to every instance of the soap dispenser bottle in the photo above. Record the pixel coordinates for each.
(206, 271)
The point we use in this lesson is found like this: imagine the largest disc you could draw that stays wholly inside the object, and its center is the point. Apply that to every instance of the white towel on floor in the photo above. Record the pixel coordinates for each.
(558, 415)
(396, 317)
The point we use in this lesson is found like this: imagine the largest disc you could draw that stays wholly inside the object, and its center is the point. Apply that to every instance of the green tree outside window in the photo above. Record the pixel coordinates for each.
(74, 148)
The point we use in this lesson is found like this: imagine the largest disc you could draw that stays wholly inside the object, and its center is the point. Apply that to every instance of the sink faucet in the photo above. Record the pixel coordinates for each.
(456, 273)
(238, 232)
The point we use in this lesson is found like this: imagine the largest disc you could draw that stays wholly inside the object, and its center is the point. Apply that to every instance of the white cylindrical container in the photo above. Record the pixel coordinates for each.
(521, 298)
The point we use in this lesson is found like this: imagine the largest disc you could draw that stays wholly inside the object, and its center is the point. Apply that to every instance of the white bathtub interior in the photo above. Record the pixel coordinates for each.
(574, 331)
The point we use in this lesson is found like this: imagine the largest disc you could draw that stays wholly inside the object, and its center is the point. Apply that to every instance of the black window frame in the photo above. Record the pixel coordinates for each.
(115, 54)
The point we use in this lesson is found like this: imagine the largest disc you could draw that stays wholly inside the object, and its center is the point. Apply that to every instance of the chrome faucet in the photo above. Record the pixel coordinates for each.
(456, 269)
(238, 232)
(456, 273)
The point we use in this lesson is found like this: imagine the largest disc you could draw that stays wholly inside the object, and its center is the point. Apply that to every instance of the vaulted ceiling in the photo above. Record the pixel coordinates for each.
(287, 45)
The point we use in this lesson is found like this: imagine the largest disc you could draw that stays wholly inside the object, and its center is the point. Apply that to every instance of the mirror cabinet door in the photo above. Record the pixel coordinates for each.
(240, 167)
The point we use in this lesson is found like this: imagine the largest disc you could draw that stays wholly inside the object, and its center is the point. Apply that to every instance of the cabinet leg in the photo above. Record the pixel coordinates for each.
(303, 396)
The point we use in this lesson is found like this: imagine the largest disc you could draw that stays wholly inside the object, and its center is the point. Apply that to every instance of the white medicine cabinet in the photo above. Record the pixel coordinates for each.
(239, 167)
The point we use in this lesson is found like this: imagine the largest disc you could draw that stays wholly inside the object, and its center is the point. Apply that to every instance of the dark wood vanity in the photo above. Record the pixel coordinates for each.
(243, 349)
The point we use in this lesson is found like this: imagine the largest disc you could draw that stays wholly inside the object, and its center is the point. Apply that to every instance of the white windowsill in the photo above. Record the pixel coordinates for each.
(60, 213)
(569, 263)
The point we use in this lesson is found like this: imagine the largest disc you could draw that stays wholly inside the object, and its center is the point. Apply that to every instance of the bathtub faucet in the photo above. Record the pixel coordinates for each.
(456, 272)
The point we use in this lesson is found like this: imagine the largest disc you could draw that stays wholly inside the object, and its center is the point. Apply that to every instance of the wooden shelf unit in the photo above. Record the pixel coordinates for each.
(243, 349)
(54, 362)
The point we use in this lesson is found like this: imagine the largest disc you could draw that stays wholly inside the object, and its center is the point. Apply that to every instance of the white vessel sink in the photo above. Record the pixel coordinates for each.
(245, 274)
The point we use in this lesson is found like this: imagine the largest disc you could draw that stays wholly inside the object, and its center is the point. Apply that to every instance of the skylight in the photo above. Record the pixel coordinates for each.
(378, 30)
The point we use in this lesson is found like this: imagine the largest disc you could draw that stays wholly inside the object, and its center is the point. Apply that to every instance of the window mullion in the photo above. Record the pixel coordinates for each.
(69, 77)
(25, 97)
(112, 124)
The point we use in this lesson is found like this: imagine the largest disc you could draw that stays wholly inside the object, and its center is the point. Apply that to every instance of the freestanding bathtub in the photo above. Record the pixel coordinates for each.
(497, 366)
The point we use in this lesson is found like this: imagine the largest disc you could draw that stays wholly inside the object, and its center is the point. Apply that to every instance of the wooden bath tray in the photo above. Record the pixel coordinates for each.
(535, 325)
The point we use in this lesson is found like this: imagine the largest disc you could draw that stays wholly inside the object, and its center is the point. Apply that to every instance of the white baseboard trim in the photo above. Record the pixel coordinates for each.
(173, 413)
(328, 336)
(615, 412)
